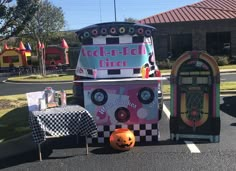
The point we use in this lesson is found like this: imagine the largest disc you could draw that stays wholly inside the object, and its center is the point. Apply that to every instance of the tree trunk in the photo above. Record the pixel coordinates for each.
(43, 63)
(41, 58)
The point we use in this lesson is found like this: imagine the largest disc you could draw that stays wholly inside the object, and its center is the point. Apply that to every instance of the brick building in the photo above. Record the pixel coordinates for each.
(208, 25)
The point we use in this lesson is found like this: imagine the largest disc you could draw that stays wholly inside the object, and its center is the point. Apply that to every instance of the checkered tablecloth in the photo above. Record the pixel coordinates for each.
(61, 121)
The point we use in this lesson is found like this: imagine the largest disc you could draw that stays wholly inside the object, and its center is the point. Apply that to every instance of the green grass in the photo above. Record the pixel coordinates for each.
(51, 77)
(223, 86)
(14, 123)
(220, 67)
(228, 67)
(228, 86)
(14, 117)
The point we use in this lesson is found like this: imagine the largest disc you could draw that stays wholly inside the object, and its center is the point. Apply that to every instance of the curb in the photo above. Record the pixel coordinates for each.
(49, 82)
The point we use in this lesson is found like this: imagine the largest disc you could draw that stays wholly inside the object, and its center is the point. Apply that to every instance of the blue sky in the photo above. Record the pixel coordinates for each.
(81, 13)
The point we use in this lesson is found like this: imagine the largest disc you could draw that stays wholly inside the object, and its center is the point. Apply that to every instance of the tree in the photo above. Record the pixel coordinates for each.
(70, 37)
(132, 20)
(13, 18)
(46, 24)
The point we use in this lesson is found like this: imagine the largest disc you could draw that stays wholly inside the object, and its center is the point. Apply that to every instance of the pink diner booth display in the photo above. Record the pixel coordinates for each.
(108, 79)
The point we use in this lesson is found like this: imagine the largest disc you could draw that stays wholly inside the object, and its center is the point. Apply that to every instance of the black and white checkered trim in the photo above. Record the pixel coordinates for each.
(116, 73)
(101, 40)
(142, 133)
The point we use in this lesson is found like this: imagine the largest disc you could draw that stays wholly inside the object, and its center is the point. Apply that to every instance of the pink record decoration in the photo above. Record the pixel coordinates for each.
(148, 33)
(113, 30)
(104, 31)
(86, 34)
(140, 31)
(131, 30)
(94, 32)
(122, 30)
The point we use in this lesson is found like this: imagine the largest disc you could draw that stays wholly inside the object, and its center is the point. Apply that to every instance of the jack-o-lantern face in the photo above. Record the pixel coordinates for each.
(122, 139)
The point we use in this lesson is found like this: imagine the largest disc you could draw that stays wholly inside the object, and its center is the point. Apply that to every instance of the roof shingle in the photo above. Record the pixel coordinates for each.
(203, 10)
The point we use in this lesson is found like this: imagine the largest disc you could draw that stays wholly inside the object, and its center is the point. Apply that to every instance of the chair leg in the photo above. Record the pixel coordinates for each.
(40, 154)
(86, 139)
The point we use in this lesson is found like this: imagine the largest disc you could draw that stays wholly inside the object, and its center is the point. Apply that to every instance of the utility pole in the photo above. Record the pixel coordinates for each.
(115, 8)
(100, 9)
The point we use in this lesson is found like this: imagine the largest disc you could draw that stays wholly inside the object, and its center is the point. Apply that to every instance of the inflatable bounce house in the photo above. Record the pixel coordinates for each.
(15, 57)
(57, 56)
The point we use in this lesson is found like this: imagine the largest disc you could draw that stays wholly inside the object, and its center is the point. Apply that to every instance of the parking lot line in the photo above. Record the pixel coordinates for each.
(191, 146)
(167, 112)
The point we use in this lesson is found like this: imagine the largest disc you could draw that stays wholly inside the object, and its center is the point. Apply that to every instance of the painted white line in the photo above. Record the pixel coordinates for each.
(192, 147)
(167, 112)
(227, 95)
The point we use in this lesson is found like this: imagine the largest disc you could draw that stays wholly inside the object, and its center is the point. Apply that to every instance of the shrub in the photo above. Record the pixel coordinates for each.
(165, 64)
(222, 60)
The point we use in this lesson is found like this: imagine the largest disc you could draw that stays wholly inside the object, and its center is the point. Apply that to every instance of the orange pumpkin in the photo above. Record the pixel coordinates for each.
(122, 139)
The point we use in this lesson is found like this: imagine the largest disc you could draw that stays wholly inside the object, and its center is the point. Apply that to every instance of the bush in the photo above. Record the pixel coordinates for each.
(222, 60)
(165, 64)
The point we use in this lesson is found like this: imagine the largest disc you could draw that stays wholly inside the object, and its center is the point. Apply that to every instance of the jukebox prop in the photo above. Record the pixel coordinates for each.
(195, 81)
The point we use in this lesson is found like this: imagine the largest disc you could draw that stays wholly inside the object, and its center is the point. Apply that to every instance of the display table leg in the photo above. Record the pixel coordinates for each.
(40, 154)
(86, 140)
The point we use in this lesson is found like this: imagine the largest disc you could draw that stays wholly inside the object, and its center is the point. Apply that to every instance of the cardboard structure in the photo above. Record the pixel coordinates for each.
(195, 82)
(110, 66)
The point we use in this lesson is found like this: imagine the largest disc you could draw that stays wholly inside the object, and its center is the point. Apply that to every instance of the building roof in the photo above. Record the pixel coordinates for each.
(201, 11)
